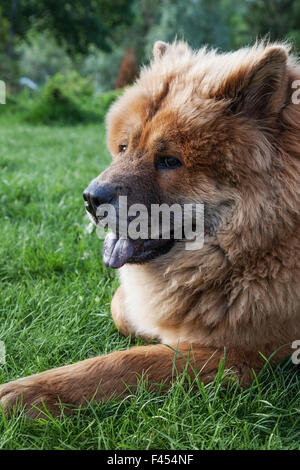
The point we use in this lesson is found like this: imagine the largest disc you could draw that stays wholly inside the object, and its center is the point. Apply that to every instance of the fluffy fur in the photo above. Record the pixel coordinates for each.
(242, 288)
(231, 120)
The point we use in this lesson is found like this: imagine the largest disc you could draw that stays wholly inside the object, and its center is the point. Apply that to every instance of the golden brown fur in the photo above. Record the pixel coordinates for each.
(231, 119)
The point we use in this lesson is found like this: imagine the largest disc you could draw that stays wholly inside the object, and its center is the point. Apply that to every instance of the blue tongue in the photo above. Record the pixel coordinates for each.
(116, 251)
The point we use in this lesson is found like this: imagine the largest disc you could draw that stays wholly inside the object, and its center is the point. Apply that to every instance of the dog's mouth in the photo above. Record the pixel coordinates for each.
(118, 251)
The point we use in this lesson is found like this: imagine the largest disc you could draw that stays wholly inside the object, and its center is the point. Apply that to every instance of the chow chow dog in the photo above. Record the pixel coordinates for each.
(220, 129)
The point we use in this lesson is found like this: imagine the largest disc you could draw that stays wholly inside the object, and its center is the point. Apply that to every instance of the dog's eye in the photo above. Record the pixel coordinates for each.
(122, 148)
(168, 163)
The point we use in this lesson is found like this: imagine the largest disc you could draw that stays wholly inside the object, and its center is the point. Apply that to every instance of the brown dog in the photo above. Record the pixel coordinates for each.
(222, 129)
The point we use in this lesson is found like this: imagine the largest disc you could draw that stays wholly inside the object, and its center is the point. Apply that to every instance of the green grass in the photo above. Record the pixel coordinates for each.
(54, 301)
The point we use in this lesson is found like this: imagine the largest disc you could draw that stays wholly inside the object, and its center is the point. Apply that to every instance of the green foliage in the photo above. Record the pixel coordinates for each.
(65, 99)
(72, 85)
(8, 66)
(41, 57)
(78, 24)
(294, 34)
(60, 100)
(55, 107)
(274, 19)
(16, 105)
(102, 66)
(39, 38)
(102, 101)
(199, 22)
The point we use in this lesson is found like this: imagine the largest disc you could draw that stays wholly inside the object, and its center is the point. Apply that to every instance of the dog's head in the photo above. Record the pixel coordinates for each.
(195, 128)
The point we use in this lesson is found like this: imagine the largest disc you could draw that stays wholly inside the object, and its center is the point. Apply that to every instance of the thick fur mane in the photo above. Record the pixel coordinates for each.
(242, 288)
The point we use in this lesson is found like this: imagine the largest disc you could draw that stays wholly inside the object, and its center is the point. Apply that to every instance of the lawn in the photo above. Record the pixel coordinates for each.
(54, 309)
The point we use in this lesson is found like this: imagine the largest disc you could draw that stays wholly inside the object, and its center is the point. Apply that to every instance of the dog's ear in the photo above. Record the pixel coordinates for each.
(259, 90)
(159, 49)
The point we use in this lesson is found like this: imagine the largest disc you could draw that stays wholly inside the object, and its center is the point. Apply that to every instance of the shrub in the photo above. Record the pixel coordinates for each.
(72, 85)
(14, 105)
(103, 101)
(63, 99)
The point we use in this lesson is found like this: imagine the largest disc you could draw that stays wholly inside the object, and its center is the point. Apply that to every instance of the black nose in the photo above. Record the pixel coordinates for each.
(97, 194)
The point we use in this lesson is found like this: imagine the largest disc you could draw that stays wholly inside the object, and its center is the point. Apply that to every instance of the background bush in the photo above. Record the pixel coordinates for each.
(64, 99)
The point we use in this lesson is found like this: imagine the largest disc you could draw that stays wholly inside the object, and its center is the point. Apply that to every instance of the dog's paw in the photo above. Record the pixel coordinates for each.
(29, 395)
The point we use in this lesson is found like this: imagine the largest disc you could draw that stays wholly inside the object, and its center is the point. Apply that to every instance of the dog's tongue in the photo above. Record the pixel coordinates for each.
(117, 251)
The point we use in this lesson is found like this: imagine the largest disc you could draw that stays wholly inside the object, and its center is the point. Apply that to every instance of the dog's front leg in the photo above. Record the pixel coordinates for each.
(104, 377)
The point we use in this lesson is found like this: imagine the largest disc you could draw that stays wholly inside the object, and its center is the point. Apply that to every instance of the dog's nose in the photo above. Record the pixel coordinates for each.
(97, 194)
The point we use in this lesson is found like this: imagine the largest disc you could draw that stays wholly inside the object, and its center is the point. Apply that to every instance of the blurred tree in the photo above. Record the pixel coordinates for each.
(40, 56)
(4, 30)
(238, 30)
(93, 36)
(145, 15)
(76, 22)
(199, 22)
(8, 67)
(294, 33)
(278, 19)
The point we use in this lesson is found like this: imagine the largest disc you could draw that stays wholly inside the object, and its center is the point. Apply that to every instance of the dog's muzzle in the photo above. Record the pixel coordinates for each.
(117, 249)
